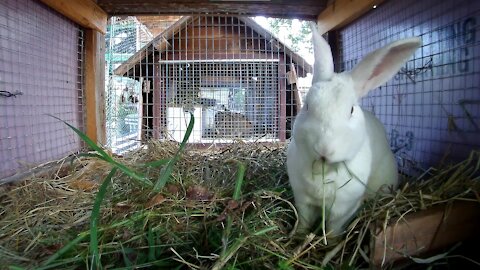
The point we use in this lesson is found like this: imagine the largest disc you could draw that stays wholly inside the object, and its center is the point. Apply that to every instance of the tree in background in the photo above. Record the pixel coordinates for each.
(294, 33)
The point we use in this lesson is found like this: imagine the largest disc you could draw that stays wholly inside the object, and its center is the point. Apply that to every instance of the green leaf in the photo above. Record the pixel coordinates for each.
(64, 249)
(168, 170)
(94, 219)
(86, 139)
(239, 182)
(151, 244)
(125, 251)
(13, 267)
(140, 178)
(106, 157)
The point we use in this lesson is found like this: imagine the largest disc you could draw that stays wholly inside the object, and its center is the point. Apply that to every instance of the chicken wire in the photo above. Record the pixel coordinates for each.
(431, 108)
(237, 79)
(41, 73)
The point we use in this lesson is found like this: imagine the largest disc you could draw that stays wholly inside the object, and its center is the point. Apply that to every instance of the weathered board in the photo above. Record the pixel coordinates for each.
(425, 232)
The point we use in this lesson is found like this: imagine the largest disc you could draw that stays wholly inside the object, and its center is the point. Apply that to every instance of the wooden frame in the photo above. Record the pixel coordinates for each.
(84, 12)
(95, 86)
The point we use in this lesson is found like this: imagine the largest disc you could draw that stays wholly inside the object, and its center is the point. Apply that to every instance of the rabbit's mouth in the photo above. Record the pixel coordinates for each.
(323, 159)
(324, 155)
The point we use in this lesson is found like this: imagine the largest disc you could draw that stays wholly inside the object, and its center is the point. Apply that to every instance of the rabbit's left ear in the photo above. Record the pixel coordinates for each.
(323, 66)
(380, 65)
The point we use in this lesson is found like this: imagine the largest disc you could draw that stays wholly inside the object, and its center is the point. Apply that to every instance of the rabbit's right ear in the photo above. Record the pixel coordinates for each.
(323, 66)
(380, 65)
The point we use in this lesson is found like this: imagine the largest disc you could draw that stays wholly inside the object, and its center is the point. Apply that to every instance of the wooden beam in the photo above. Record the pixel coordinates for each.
(425, 232)
(95, 86)
(341, 12)
(84, 12)
(300, 9)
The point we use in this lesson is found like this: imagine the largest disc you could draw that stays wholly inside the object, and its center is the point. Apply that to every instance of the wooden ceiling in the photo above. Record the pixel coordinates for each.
(301, 9)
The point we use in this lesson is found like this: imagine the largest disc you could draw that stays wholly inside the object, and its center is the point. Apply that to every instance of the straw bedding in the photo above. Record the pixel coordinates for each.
(194, 222)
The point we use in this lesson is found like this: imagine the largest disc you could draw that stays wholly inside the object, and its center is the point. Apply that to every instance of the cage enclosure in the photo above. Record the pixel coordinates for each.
(188, 107)
(229, 71)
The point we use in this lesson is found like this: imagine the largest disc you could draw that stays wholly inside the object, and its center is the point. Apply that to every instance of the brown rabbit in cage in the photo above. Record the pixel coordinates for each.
(232, 125)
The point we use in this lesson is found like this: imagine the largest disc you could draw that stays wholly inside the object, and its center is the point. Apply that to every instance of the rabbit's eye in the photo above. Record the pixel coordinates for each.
(351, 112)
(306, 106)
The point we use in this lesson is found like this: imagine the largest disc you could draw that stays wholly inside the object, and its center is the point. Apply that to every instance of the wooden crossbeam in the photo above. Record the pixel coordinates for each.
(341, 12)
(84, 12)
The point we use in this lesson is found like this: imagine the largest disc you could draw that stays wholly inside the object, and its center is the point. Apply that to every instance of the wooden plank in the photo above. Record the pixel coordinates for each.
(301, 9)
(84, 12)
(341, 12)
(425, 232)
(95, 86)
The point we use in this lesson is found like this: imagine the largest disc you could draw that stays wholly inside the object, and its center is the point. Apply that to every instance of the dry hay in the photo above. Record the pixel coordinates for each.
(194, 223)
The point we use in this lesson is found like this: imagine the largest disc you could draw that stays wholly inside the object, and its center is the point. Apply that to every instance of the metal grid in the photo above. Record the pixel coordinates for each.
(41, 60)
(431, 108)
(234, 99)
(238, 80)
(125, 36)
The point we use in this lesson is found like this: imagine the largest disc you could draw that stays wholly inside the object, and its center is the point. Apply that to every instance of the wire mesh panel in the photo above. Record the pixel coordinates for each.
(235, 77)
(125, 36)
(231, 99)
(431, 108)
(41, 60)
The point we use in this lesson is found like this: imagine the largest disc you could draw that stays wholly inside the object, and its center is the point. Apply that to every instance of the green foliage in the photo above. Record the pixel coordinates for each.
(297, 40)
(168, 169)
(101, 154)
(95, 255)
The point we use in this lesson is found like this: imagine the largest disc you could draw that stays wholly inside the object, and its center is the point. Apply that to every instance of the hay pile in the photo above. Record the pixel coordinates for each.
(194, 222)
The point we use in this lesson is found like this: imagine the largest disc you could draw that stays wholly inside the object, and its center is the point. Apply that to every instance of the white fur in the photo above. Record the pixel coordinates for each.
(335, 156)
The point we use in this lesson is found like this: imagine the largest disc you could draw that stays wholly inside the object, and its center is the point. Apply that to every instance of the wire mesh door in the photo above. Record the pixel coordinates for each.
(230, 99)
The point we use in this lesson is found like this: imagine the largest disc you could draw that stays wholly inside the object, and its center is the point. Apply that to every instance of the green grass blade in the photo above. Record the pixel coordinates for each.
(151, 244)
(85, 138)
(64, 249)
(12, 267)
(236, 196)
(136, 176)
(265, 230)
(95, 219)
(91, 155)
(239, 182)
(128, 263)
(168, 169)
(106, 157)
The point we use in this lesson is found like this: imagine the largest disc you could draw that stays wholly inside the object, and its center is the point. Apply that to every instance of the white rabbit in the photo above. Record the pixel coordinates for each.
(338, 151)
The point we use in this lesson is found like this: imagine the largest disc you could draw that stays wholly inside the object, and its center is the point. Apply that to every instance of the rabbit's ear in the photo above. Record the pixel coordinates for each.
(323, 66)
(380, 65)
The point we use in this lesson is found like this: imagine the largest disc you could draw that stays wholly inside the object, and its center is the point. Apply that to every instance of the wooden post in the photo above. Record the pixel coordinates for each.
(95, 86)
